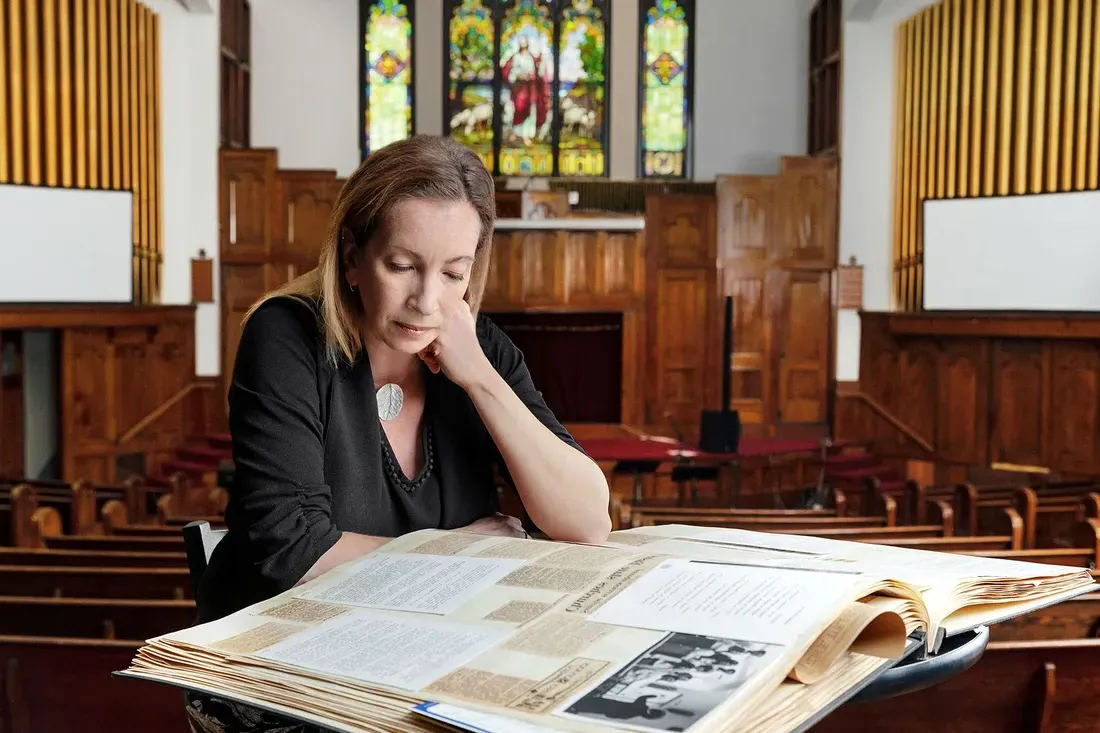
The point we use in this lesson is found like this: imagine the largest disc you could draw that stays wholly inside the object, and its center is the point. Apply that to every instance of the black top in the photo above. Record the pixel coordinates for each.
(311, 457)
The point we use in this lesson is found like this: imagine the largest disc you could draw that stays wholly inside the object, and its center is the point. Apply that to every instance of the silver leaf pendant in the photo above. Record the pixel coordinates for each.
(390, 401)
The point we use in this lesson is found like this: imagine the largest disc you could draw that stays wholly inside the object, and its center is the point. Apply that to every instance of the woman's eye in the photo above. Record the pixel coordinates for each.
(400, 268)
(456, 276)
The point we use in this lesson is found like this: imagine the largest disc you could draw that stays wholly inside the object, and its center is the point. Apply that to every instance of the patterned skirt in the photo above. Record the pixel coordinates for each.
(213, 715)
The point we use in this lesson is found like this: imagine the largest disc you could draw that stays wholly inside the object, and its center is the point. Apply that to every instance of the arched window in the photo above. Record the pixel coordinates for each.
(385, 58)
(668, 66)
(527, 84)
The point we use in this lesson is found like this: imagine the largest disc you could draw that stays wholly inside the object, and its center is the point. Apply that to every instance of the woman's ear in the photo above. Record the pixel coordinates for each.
(349, 252)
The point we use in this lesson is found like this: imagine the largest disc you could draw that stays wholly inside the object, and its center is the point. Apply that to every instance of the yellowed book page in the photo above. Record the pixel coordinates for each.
(874, 627)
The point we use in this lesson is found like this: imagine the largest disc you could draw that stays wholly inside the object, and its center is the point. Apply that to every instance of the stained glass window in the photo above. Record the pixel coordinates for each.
(527, 84)
(386, 62)
(667, 59)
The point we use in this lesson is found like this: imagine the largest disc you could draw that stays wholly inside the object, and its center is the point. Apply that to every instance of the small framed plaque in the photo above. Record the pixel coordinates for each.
(849, 287)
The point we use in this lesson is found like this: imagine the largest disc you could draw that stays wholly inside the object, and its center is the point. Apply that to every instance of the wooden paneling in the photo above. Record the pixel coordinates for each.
(236, 73)
(1002, 388)
(116, 365)
(11, 403)
(776, 253)
(80, 108)
(682, 309)
(994, 98)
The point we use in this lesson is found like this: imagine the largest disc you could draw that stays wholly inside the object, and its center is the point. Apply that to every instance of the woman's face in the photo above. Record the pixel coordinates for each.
(414, 271)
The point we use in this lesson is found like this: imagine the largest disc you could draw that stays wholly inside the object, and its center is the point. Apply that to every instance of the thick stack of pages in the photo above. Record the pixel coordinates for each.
(667, 628)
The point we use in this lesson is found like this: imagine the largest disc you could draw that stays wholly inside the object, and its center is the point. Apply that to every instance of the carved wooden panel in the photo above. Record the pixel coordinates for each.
(808, 210)
(750, 388)
(1019, 402)
(802, 349)
(1074, 418)
(682, 345)
(245, 193)
(242, 286)
(542, 267)
(685, 239)
(568, 270)
(918, 366)
(301, 219)
(502, 271)
(963, 419)
(113, 374)
(623, 266)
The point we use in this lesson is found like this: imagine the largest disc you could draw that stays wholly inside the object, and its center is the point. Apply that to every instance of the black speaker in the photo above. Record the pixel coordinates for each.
(720, 431)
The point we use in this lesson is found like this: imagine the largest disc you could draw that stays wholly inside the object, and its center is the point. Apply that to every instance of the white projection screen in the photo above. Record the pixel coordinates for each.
(1036, 252)
(65, 245)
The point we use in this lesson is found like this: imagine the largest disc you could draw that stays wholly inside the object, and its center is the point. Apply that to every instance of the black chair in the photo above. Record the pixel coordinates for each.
(199, 541)
(691, 474)
(637, 470)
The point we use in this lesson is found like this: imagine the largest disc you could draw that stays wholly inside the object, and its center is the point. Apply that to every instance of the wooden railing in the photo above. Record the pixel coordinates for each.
(877, 408)
(161, 409)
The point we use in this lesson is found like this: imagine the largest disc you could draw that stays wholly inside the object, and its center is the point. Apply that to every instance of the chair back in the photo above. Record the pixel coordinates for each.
(199, 541)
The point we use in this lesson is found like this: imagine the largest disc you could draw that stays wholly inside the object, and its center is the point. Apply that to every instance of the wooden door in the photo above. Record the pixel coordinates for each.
(683, 312)
(745, 211)
(776, 254)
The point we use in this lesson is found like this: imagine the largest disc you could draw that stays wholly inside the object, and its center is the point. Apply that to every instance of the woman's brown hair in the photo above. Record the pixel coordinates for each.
(420, 167)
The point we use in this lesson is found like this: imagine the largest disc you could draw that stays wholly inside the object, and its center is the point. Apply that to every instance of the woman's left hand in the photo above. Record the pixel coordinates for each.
(456, 351)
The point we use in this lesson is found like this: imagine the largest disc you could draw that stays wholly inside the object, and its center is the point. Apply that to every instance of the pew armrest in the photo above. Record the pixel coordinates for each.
(917, 672)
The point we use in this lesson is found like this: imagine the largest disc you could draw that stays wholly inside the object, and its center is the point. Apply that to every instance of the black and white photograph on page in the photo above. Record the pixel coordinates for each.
(674, 683)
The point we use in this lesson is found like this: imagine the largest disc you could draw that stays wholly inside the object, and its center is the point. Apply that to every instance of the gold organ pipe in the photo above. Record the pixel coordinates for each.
(1054, 108)
(5, 116)
(941, 121)
(1039, 97)
(116, 121)
(80, 104)
(64, 44)
(135, 118)
(104, 96)
(1069, 96)
(1088, 71)
(1024, 98)
(933, 20)
(93, 94)
(124, 88)
(979, 76)
(901, 166)
(15, 33)
(964, 99)
(953, 96)
(920, 121)
(1008, 68)
(33, 100)
(1094, 103)
(153, 152)
(989, 161)
(143, 98)
(49, 87)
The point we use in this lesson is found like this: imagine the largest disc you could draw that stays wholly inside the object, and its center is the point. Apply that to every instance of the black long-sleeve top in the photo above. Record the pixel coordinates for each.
(310, 455)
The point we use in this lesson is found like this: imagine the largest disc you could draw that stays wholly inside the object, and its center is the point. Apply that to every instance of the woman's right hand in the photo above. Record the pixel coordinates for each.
(497, 524)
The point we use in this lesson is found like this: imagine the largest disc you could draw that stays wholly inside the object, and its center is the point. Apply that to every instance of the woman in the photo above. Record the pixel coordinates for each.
(370, 400)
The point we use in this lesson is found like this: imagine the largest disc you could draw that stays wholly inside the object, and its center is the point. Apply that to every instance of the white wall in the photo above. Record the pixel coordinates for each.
(189, 148)
(866, 177)
(750, 84)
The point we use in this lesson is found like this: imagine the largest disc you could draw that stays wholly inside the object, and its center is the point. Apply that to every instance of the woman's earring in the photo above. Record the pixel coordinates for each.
(352, 288)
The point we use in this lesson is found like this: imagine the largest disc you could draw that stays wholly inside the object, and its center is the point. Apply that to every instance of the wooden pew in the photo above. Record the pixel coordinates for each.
(62, 581)
(64, 685)
(114, 544)
(93, 618)
(1078, 618)
(1039, 686)
(91, 558)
